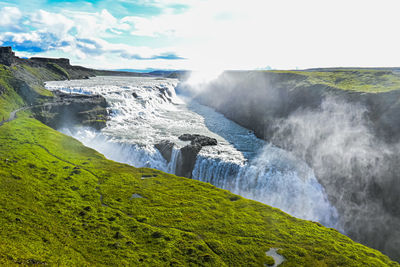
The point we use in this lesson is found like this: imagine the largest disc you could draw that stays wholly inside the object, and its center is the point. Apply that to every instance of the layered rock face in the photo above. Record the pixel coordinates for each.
(7, 56)
(73, 109)
(60, 61)
(350, 139)
(188, 154)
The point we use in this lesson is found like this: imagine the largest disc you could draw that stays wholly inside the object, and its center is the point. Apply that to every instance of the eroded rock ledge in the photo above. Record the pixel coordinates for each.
(73, 109)
(188, 154)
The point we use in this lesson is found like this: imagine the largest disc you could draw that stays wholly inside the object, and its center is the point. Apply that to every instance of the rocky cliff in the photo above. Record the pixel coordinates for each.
(73, 109)
(344, 123)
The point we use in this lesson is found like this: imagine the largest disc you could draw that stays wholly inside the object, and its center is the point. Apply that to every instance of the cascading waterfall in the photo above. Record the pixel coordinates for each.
(146, 111)
(271, 179)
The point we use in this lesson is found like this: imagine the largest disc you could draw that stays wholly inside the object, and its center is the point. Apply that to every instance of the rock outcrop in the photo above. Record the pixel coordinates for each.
(60, 61)
(73, 109)
(7, 56)
(187, 159)
(165, 147)
(199, 139)
(188, 154)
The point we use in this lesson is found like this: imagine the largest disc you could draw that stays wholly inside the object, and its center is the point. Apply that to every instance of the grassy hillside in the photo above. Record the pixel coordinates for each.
(357, 80)
(62, 203)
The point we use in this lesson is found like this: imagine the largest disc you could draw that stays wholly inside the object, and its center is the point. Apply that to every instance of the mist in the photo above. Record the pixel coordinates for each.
(354, 166)
(338, 134)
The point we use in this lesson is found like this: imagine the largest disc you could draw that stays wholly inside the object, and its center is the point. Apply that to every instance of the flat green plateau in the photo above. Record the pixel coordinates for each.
(62, 203)
(356, 80)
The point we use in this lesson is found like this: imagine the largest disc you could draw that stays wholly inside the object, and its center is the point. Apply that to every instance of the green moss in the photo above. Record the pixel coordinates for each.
(9, 99)
(59, 70)
(358, 80)
(64, 204)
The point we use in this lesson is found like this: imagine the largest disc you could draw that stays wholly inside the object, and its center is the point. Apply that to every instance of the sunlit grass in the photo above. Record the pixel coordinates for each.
(357, 80)
(52, 212)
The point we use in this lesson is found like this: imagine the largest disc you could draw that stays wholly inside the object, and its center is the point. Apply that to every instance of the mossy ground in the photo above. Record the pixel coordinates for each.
(357, 80)
(64, 204)
(9, 99)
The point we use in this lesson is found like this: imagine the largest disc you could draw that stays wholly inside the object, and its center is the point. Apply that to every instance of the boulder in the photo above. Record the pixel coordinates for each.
(199, 139)
(165, 148)
(187, 160)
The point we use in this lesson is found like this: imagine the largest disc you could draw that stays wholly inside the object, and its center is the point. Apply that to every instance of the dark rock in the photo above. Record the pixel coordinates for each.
(73, 109)
(118, 235)
(7, 56)
(16, 177)
(115, 245)
(165, 148)
(199, 139)
(87, 208)
(31, 165)
(82, 213)
(60, 61)
(35, 262)
(188, 154)
(135, 95)
(156, 235)
(234, 198)
(75, 172)
(187, 159)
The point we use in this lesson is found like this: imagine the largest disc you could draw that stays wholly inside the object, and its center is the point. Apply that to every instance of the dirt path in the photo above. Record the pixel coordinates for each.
(13, 114)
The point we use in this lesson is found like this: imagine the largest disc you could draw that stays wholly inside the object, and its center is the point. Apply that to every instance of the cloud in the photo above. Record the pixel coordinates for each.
(230, 34)
(33, 42)
(10, 17)
(168, 56)
(51, 23)
(79, 34)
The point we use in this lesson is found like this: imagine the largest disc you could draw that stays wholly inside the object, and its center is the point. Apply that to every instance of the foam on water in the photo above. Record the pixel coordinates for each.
(145, 111)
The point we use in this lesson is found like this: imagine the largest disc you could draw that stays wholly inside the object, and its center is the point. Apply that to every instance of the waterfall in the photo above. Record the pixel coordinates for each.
(146, 111)
(274, 178)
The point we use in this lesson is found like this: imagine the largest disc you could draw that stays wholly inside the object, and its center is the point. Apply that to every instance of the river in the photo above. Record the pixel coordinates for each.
(145, 111)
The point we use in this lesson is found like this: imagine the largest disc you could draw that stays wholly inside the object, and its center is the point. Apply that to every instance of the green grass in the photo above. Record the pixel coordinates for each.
(64, 204)
(59, 70)
(358, 80)
(9, 99)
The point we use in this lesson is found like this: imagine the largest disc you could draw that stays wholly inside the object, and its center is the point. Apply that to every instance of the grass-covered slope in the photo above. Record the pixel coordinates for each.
(356, 80)
(64, 204)
(9, 99)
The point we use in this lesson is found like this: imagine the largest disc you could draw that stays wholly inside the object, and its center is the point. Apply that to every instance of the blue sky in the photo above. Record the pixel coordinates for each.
(204, 34)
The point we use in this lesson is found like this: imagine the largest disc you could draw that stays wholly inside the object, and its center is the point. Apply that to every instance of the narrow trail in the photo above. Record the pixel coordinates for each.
(13, 114)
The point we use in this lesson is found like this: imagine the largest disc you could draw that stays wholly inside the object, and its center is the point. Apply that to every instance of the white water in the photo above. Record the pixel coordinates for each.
(145, 111)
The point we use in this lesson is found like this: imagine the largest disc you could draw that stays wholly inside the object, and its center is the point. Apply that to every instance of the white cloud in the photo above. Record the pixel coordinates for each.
(222, 34)
(53, 23)
(97, 24)
(9, 17)
(283, 34)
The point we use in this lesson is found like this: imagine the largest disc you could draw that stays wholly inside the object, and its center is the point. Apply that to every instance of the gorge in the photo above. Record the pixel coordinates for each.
(76, 200)
(146, 112)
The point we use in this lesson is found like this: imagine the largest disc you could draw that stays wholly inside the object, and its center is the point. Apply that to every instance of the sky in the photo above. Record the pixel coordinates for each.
(205, 34)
